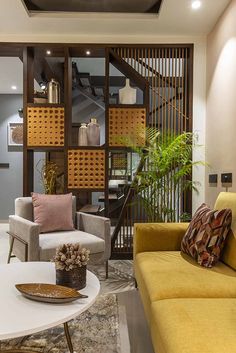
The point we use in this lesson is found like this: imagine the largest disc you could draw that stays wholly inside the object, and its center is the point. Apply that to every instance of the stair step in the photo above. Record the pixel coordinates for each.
(111, 197)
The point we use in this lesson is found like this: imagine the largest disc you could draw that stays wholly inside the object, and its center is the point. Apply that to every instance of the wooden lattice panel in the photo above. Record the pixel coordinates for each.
(45, 126)
(127, 126)
(86, 169)
(119, 161)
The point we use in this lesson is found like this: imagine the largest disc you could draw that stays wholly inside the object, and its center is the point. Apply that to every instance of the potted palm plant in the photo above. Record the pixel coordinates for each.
(165, 174)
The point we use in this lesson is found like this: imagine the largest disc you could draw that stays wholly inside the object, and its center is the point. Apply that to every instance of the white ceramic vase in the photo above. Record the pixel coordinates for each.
(82, 137)
(127, 94)
(93, 133)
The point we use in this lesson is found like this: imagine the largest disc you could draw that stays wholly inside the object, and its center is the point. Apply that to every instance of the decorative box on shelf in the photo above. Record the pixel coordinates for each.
(127, 126)
(45, 125)
(86, 168)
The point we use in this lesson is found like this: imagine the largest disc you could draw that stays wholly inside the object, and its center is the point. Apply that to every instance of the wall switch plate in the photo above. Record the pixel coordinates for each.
(226, 178)
(4, 165)
(213, 178)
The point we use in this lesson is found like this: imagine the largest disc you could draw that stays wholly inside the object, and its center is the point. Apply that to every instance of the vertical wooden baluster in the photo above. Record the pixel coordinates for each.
(154, 107)
(173, 126)
(142, 62)
(180, 126)
(132, 57)
(158, 90)
(155, 89)
(127, 230)
(169, 178)
(186, 89)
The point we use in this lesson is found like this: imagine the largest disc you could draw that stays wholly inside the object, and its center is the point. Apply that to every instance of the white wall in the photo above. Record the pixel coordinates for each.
(11, 180)
(221, 101)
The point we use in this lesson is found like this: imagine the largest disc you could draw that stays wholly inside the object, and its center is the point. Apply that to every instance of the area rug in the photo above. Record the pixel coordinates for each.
(94, 331)
(120, 276)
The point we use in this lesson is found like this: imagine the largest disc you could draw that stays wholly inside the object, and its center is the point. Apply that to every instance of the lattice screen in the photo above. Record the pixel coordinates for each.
(86, 169)
(45, 126)
(168, 71)
(127, 126)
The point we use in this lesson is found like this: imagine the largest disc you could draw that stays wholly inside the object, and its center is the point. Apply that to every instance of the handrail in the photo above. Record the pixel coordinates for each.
(140, 61)
(128, 198)
(163, 104)
(167, 102)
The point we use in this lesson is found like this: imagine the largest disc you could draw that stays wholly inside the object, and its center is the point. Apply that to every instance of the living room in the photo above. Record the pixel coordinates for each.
(117, 156)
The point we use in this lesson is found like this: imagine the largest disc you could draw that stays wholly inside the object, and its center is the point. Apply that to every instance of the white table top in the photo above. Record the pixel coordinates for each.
(20, 316)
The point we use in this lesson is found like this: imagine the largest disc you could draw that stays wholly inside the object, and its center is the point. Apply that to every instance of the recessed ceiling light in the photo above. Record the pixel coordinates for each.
(196, 4)
(48, 52)
(13, 87)
(88, 52)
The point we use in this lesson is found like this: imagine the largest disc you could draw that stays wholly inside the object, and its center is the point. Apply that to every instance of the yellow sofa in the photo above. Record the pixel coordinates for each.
(190, 309)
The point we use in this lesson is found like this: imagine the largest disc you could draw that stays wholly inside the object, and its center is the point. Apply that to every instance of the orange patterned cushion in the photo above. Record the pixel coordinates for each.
(206, 234)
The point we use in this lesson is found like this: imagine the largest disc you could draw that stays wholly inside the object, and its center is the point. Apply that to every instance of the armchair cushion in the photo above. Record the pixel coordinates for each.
(24, 208)
(48, 242)
(53, 212)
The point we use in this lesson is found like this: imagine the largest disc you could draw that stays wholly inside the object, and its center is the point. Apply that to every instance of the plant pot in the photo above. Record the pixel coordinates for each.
(75, 278)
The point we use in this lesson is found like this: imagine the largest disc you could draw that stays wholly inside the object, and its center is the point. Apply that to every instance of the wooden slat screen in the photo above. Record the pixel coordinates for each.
(168, 70)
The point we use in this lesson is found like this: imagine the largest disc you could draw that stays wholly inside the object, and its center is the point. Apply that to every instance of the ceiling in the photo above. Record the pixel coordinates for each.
(176, 18)
(130, 6)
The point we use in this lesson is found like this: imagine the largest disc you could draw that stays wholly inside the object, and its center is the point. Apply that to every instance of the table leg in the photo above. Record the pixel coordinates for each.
(68, 338)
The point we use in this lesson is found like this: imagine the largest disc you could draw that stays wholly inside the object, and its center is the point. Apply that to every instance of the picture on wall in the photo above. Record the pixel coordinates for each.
(15, 134)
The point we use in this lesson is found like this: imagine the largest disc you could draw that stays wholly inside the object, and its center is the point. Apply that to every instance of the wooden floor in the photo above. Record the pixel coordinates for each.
(139, 336)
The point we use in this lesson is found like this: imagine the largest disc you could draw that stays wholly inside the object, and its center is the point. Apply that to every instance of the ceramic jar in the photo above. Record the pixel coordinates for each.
(82, 136)
(93, 133)
(127, 94)
(53, 90)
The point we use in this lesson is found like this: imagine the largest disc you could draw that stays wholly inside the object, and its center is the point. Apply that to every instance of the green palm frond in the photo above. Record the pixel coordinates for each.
(168, 170)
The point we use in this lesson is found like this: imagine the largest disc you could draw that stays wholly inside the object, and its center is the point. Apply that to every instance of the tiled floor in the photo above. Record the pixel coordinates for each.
(131, 309)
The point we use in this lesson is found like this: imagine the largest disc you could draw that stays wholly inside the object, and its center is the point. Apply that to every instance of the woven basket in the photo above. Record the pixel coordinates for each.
(75, 278)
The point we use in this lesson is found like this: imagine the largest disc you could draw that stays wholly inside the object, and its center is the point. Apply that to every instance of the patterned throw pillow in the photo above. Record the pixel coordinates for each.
(206, 235)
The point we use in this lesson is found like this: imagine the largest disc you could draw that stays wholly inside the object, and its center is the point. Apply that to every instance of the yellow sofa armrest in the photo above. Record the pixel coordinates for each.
(158, 236)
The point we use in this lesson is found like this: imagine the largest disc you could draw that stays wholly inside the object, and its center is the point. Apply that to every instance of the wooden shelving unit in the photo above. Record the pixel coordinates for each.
(163, 71)
(48, 127)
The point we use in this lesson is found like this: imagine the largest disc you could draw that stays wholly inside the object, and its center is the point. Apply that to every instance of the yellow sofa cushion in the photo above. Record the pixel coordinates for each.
(194, 326)
(170, 274)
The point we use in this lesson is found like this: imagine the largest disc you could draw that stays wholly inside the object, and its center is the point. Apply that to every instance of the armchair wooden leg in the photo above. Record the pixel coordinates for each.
(106, 265)
(10, 250)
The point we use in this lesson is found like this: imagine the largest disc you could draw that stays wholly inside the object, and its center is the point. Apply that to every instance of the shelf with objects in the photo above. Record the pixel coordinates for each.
(127, 111)
(72, 121)
(80, 112)
(126, 88)
(97, 88)
(44, 115)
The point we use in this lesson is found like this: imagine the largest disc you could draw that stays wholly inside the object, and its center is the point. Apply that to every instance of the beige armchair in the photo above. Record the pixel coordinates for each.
(28, 244)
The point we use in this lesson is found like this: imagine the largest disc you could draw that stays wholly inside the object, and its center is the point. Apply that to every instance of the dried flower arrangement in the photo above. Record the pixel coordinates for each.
(71, 256)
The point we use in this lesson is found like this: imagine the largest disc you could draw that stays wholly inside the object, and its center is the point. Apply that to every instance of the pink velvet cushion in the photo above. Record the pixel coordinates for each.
(53, 212)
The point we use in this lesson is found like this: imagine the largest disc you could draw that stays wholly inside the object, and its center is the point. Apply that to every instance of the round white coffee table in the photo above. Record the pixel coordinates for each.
(21, 316)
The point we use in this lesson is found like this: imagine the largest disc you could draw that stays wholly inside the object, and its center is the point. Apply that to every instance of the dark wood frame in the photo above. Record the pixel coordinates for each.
(68, 50)
(12, 240)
